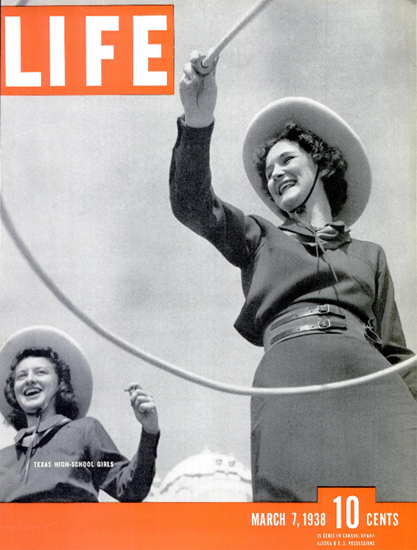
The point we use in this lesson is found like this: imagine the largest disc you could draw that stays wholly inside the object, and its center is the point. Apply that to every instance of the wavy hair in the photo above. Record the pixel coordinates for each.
(64, 400)
(325, 157)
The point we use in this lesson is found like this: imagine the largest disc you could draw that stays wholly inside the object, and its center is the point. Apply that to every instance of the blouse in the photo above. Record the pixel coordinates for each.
(71, 461)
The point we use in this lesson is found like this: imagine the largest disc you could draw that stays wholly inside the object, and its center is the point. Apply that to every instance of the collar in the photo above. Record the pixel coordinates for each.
(45, 426)
(296, 227)
(333, 235)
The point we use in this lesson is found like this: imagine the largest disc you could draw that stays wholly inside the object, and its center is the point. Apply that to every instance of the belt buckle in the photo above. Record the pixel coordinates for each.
(323, 309)
(324, 324)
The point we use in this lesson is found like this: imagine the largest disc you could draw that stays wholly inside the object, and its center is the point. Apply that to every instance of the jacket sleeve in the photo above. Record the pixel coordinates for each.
(394, 346)
(124, 480)
(195, 204)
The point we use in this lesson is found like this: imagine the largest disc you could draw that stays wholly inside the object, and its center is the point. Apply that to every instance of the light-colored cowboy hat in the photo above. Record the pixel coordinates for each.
(327, 125)
(40, 337)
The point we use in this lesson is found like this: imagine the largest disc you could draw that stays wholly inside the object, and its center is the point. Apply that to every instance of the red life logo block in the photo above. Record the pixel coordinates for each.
(87, 50)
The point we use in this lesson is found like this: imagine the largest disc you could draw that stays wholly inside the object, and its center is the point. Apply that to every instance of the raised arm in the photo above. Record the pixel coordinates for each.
(124, 480)
(193, 200)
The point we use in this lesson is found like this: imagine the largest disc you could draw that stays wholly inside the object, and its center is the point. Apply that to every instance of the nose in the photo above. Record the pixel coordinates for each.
(30, 377)
(277, 172)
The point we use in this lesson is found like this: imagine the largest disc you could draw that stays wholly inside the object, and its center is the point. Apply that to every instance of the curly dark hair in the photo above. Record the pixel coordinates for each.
(326, 158)
(64, 400)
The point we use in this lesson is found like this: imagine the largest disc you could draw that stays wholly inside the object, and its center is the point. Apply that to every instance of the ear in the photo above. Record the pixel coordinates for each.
(325, 172)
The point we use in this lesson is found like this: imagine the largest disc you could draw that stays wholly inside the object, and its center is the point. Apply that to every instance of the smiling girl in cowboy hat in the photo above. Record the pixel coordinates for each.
(321, 303)
(60, 455)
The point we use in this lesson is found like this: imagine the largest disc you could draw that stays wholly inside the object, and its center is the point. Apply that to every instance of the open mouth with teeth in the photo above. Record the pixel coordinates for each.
(29, 392)
(285, 185)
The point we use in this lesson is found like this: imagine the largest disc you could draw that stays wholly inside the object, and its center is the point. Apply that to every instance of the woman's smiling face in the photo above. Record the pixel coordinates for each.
(290, 172)
(36, 383)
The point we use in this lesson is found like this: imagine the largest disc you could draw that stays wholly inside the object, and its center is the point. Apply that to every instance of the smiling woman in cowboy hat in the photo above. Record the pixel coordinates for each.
(321, 303)
(60, 455)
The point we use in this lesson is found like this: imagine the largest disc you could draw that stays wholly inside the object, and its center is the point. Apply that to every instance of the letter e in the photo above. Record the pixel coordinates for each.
(142, 50)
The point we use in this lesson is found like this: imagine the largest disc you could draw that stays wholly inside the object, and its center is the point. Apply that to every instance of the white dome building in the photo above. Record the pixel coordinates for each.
(207, 477)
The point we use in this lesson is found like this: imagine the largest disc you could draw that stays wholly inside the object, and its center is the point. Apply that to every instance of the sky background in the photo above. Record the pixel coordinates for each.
(86, 182)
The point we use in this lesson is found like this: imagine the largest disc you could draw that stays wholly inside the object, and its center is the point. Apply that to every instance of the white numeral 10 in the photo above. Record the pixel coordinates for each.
(352, 512)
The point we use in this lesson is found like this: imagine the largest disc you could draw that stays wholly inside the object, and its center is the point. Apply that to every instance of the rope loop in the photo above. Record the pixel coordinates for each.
(169, 367)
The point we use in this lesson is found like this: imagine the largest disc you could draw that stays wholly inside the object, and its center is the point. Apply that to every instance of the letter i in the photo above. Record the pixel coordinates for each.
(57, 50)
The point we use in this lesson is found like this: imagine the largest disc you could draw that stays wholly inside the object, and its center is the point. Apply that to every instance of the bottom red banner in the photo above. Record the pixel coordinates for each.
(342, 517)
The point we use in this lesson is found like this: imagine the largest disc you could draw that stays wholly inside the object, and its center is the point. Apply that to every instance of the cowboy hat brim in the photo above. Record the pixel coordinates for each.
(330, 127)
(40, 337)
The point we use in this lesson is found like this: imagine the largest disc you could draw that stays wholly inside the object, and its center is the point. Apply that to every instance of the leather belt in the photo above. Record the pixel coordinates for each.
(319, 319)
(306, 311)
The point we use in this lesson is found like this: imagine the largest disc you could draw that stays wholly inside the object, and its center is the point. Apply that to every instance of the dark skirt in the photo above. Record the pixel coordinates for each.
(363, 436)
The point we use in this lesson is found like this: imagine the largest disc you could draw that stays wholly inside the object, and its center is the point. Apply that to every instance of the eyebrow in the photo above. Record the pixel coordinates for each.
(290, 152)
(25, 369)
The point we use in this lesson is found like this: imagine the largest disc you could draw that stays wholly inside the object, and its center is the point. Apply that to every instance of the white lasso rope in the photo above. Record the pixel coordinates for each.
(164, 365)
(204, 65)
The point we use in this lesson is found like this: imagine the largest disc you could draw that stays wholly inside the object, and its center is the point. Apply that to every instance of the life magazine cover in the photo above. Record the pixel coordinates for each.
(167, 308)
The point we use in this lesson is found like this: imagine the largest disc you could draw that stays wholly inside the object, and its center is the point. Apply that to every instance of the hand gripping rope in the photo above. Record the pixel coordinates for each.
(164, 365)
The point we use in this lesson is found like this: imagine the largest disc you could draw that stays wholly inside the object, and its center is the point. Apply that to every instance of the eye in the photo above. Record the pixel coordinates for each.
(20, 376)
(268, 175)
(288, 158)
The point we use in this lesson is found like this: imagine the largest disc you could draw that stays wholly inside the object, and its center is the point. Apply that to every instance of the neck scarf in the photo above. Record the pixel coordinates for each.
(331, 236)
(31, 438)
